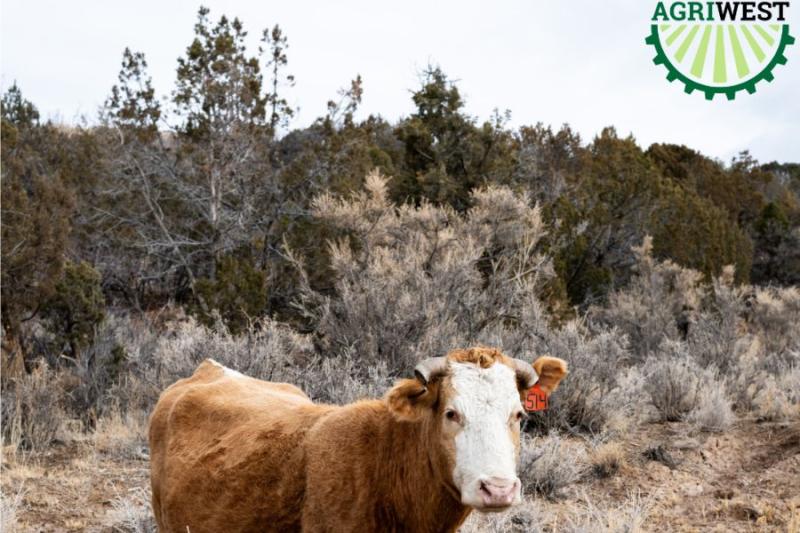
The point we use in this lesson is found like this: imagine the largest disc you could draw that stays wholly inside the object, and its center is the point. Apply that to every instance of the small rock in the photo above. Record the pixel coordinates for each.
(659, 453)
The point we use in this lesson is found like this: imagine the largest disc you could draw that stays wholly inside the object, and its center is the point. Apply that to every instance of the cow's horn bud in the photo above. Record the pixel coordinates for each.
(525, 373)
(430, 368)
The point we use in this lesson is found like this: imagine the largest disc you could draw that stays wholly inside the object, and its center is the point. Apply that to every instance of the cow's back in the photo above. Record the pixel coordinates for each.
(227, 455)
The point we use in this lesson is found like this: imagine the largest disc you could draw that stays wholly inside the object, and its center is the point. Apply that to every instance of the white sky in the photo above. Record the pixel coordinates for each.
(583, 62)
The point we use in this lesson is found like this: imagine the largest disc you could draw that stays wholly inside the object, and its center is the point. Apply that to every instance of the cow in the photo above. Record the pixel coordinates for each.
(233, 453)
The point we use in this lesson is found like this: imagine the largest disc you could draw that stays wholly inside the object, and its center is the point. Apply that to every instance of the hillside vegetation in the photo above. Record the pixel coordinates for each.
(202, 224)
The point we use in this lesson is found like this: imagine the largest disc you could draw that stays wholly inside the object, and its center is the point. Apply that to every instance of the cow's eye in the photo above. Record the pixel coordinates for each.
(519, 416)
(452, 415)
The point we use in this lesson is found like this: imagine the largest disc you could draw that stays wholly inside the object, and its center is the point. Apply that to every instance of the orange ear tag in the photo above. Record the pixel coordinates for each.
(536, 399)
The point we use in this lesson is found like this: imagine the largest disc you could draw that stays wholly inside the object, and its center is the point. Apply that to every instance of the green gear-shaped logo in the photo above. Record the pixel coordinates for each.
(720, 58)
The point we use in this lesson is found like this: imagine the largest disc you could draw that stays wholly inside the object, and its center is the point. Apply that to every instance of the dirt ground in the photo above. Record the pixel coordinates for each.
(74, 488)
(747, 479)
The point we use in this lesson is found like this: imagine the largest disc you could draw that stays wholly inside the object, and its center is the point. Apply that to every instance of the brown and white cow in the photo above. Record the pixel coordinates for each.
(233, 453)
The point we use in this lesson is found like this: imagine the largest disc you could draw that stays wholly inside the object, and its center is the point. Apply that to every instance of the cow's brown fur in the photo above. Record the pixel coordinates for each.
(240, 454)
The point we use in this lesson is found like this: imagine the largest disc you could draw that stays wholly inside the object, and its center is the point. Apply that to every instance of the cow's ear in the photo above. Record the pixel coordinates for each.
(409, 399)
(551, 371)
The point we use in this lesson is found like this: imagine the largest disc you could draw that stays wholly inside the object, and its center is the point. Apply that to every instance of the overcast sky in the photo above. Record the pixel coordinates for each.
(583, 62)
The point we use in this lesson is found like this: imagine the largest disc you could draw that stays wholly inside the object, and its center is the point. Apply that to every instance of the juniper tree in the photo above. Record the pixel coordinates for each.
(36, 211)
(274, 44)
(133, 105)
(445, 153)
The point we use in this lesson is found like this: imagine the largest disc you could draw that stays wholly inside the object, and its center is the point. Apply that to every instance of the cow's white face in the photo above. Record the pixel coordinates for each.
(482, 413)
(469, 404)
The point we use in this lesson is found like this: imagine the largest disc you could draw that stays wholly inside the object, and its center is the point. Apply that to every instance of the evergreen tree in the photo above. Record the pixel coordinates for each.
(133, 105)
(219, 87)
(274, 45)
(36, 210)
(445, 154)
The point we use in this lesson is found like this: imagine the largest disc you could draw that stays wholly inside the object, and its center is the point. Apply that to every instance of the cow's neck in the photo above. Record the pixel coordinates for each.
(423, 497)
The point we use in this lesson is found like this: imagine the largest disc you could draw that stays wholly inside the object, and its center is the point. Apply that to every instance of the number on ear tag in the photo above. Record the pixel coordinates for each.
(536, 399)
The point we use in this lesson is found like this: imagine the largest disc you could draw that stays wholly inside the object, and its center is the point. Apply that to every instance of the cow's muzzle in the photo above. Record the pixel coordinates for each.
(498, 493)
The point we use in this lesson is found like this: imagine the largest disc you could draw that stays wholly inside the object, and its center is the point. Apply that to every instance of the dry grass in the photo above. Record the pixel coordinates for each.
(528, 517)
(33, 409)
(550, 464)
(607, 459)
(76, 487)
(580, 516)
(124, 436)
(630, 516)
(11, 506)
(132, 513)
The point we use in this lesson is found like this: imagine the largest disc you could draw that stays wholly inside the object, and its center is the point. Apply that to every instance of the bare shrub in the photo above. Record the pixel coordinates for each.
(673, 381)
(88, 384)
(749, 334)
(595, 396)
(263, 351)
(658, 304)
(718, 327)
(342, 380)
(104, 363)
(765, 385)
(33, 409)
(549, 464)
(775, 312)
(712, 411)
(778, 397)
(708, 343)
(748, 375)
(412, 282)
(266, 350)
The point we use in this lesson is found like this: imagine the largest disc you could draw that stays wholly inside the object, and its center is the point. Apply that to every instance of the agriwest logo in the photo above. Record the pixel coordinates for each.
(720, 47)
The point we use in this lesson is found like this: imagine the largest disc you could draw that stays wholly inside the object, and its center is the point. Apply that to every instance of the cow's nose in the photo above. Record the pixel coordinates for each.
(498, 491)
